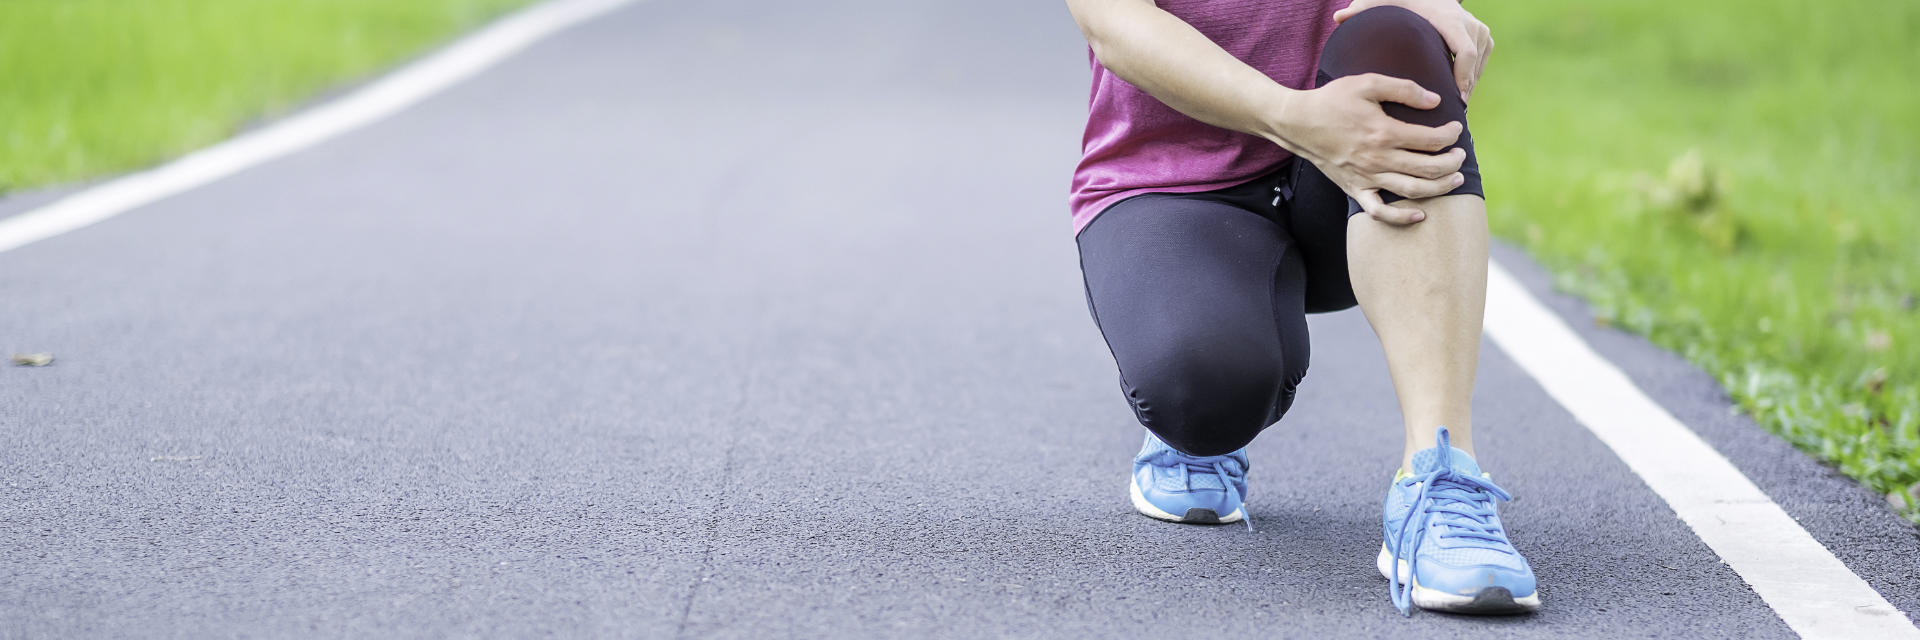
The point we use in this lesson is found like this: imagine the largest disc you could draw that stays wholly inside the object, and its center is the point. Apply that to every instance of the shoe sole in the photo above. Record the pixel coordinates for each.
(1193, 516)
(1491, 601)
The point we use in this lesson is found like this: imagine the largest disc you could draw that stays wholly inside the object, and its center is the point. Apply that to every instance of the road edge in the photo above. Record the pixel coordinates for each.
(387, 95)
(1844, 519)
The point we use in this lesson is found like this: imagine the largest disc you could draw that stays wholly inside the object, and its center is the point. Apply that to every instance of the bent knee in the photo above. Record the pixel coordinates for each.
(1212, 401)
(1396, 42)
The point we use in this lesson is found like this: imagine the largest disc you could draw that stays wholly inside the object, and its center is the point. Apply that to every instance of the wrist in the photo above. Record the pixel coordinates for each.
(1279, 112)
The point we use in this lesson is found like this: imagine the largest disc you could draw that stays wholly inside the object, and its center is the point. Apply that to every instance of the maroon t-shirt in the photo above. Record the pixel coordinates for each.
(1135, 144)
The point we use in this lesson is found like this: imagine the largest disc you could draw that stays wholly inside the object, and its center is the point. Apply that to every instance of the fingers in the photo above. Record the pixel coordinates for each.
(1381, 88)
(1417, 188)
(1423, 165)
(1369, 200)
(1467, 59)
(1486, 51)
(1463, 38)
(1422, 138)
(1408, 187)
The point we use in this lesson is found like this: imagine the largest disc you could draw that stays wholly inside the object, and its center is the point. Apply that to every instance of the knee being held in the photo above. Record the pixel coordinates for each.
(1397, 42)
(1396, 35)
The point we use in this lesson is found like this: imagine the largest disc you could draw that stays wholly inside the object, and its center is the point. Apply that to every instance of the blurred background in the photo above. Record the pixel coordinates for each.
(1736, 180)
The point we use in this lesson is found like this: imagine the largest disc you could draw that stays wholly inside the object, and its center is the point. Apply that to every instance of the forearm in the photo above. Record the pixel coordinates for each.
(1175, 63)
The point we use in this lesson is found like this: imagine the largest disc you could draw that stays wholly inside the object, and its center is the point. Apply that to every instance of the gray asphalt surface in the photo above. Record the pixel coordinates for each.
(715, 320)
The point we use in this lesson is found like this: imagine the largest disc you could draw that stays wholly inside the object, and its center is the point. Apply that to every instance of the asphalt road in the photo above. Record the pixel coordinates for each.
(709, 320)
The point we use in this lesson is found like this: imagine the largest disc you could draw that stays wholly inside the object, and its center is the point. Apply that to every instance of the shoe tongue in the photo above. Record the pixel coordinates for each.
(1426, 461)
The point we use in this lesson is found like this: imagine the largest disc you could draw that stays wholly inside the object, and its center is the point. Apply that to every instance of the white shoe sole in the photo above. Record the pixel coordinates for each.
(1193, 516)
(1490, 601)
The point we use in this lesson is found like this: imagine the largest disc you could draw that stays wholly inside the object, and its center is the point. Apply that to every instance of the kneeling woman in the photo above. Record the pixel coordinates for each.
(1247, 163)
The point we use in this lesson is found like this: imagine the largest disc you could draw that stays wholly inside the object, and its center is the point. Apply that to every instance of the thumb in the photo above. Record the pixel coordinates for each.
(1357, 7)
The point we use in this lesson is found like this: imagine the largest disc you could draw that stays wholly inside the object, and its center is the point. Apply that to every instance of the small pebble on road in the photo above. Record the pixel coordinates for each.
(32, 359)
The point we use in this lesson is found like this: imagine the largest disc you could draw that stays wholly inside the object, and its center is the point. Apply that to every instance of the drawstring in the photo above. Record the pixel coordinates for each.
(1282, 190)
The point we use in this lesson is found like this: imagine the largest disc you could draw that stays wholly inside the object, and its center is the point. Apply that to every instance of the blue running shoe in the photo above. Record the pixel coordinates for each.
(1176, 487)
(1445, 548)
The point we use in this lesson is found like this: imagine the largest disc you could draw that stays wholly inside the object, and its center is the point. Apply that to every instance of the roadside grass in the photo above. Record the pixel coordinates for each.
(1738, 181)
(89, 88)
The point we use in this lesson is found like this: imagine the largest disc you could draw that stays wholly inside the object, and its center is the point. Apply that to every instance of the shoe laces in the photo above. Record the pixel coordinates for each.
(1462, 506)
(1215, 465)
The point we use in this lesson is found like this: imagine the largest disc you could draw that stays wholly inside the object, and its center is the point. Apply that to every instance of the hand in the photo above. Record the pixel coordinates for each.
(1343, 131)
(1468, 38)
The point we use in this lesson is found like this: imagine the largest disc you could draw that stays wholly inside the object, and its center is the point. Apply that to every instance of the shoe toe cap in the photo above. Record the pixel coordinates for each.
(1469, 578)
(1178, 501)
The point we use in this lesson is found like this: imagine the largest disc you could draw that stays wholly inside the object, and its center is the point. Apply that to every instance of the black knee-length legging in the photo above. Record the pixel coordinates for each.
(1203, 297)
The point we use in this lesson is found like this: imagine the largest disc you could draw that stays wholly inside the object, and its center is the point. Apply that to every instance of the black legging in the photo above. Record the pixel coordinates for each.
(1203, 297)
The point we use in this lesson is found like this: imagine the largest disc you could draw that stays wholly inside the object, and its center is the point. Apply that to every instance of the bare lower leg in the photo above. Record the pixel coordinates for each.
(1423, 287)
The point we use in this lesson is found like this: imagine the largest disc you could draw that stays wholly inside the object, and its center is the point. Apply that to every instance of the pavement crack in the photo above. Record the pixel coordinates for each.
(705, 572)
(736, 416)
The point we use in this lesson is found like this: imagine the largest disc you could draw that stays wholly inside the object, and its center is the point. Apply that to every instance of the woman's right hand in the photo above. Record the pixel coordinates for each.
(1342, 129)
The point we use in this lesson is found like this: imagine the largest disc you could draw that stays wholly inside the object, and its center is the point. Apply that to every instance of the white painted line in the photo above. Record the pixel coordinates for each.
(384, 97)
(1811, 590)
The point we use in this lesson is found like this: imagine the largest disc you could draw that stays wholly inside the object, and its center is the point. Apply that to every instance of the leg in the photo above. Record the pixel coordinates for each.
(1424, 289)
(1423, 286)
(1200, 302)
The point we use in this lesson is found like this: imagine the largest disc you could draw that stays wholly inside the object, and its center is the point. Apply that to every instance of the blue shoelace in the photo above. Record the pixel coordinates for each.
(1461, 504)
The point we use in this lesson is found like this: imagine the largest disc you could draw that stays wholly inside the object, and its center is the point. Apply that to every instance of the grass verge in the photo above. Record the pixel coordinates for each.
(93, 88)
(1737, 181)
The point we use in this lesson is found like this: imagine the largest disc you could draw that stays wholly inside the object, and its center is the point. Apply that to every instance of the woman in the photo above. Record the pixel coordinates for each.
(1247, 163)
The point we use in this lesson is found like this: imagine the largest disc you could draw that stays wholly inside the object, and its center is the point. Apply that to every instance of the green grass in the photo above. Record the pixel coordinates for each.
(92, 87)
(1738, 181)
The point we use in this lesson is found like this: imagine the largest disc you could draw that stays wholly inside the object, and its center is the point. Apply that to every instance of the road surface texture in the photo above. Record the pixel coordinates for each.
(704, 319)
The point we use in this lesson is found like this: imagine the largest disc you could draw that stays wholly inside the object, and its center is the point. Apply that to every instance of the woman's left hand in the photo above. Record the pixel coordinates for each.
(1469, 39)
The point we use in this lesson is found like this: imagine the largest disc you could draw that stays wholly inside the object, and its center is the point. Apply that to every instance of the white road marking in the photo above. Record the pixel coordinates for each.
(1811, 590)
(384, 97)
